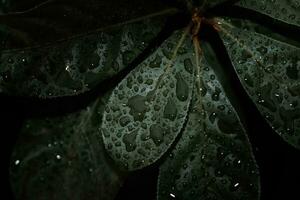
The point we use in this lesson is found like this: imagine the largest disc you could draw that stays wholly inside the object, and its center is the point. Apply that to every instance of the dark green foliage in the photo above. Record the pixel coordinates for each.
(169, 103)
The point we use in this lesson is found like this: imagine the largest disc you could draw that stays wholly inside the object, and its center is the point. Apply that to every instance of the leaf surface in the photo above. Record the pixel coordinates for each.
(148, 108)
(269, 70)
(213, 158)
(54, 20)
(74, 66)
(287, 11)
(63, 158)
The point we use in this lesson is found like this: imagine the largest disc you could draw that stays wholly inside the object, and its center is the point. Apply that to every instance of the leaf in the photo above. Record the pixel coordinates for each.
(63, 158)
(287, 11)
(202, 4)
(54, 20)
(213, 158)
(269, 71)
(74, 66)
(148, 108)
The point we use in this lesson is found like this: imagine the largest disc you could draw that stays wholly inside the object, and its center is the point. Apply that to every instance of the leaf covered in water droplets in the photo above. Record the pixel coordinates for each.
(148, 108)
(70, 64)
(74, 66)
(213, 157)
(63, 47)
(269, 70)
(287, 11)
(63, 158)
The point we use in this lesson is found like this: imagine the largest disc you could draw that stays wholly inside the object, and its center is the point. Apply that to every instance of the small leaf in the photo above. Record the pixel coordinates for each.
(74, 66)
(269, 70)
(63, 158)
(213, 157)
(287, 11)
(147, 109)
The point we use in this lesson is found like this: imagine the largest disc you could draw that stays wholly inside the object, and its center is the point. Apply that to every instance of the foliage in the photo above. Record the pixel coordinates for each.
(158, 72)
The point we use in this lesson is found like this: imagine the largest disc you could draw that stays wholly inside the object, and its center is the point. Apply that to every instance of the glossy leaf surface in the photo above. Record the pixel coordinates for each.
(51, 20)
(169, 110)
(63, 158)
(269, 71)
(213, 158)
(74, 66)
(147, 109)
(287, 11)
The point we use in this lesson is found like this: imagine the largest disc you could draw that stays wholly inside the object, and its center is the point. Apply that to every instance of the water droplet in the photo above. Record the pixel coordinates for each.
(137, 107)
(129, 140)
(234, 186)
(170, 110)
(182, 89)
(17, 162)
(124, 121)
(156, 134)
(212, 117)
(172, 195)
(188, 66)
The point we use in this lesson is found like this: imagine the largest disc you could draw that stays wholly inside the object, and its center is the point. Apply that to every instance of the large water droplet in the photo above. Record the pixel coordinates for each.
(170, 111)
(137, 107)
(156, 134)
(182, 89)
(188, 65)
(129, 140)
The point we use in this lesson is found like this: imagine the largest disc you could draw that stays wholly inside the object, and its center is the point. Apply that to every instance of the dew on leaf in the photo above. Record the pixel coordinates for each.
(129, 140)
(156, 134)
(182, 88)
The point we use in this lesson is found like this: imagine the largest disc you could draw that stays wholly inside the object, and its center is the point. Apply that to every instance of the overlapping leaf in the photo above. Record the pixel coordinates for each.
(63, 63)
(269, 71)
(213, 158)
(74, 66)
(63, 158)
(287, 11)
(148, 108)
(53, 20)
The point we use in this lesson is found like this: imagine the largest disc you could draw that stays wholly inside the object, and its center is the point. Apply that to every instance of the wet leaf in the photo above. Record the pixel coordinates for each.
(169, 108)
(74, 66)
(63, 158)
(213, 158)
(287, 11)
(51, 20)
(147, 109)
(269, 70)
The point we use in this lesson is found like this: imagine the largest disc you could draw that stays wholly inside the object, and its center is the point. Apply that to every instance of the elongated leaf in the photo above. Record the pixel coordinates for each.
(74, 66)
(64, 158)
(213, 158)
(147, 109)
(287, 11)
(53, 20)
(269, 71)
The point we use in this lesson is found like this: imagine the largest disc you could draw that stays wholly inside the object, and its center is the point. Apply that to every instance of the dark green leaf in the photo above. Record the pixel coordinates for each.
(77, 65)
(287, 11)
(213, 158)
(147, 109)
(63, 158)
(60, 19)
(270, 72)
